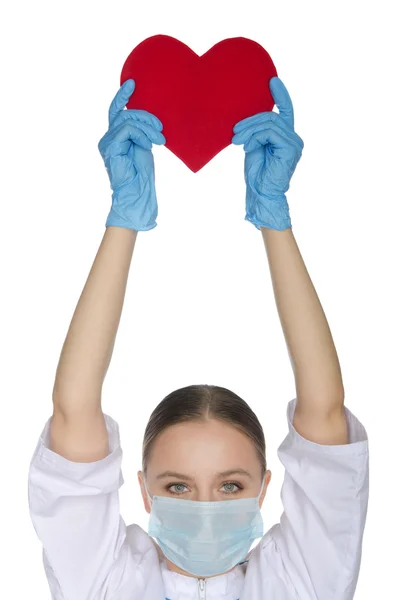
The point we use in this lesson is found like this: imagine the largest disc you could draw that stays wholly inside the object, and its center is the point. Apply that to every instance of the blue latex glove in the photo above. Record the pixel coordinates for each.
(126, 151)
(273, 150)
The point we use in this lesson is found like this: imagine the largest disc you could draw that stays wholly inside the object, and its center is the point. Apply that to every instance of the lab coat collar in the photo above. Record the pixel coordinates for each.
(180, 586)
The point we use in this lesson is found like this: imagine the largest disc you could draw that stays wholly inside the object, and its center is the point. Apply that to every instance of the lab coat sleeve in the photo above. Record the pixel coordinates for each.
(325, 499)
(74, 509)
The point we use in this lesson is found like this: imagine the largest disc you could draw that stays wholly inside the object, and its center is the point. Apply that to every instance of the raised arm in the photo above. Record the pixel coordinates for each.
(319, 414)
(273, 150)
(78, 430)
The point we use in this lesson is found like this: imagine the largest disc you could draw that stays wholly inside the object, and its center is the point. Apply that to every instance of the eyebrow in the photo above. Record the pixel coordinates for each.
(219, 475)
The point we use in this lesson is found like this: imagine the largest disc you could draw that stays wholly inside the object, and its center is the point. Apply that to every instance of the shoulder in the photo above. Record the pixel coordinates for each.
(140, 543)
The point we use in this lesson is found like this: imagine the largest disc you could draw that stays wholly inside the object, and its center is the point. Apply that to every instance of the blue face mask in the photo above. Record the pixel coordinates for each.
(205, 538)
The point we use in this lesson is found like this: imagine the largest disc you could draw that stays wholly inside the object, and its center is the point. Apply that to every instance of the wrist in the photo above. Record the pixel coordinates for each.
(266, 212)
(126, 219)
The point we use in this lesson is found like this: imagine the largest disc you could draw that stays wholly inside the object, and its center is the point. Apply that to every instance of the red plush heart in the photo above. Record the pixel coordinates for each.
(199, 99)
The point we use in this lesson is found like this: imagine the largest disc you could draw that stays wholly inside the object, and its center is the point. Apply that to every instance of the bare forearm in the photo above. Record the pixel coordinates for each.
(310, 345)
(89, 343)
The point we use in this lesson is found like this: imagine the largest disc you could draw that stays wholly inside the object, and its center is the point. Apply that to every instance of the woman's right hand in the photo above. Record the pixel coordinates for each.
(126, 151)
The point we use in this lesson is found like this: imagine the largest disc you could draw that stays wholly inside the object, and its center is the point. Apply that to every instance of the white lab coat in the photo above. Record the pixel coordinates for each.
(313, 553)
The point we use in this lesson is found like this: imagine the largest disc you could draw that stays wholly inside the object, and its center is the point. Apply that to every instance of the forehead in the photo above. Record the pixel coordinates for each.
(203, 448)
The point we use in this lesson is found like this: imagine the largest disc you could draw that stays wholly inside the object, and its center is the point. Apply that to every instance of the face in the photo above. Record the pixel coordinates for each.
(205, 461)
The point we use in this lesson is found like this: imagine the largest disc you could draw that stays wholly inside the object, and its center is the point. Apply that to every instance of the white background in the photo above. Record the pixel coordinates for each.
(199, 306)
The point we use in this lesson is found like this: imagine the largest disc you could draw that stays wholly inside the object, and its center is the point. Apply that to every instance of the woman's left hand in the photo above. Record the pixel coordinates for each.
(273, 150)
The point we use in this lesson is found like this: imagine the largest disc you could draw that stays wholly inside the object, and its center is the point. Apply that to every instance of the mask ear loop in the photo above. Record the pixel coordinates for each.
(147, 492)
(262, 486)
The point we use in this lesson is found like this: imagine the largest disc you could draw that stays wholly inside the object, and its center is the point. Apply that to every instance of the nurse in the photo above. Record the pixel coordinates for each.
(204, 474)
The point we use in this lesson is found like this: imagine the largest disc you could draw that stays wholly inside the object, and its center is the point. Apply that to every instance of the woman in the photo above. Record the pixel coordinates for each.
(204, 474)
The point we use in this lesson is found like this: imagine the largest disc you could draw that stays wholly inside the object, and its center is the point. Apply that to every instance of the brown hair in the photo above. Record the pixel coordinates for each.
(198, 402)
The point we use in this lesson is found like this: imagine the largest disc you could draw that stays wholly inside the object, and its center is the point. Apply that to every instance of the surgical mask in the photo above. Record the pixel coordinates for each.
(205, 538)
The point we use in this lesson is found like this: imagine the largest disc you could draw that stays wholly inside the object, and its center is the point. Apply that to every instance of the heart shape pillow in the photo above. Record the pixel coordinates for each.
(199, 99)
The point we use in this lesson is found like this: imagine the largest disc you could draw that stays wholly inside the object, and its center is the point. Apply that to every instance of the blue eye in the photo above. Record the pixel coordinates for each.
(178, 486)
(232, 485)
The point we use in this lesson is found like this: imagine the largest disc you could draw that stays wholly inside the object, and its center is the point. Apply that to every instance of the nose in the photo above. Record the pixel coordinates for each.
(202, 495)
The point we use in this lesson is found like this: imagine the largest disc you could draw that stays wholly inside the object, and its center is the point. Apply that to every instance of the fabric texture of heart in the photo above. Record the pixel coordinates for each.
(199, 99)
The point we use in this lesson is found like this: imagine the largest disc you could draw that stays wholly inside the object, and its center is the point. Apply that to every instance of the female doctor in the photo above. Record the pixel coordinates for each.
(204, 474)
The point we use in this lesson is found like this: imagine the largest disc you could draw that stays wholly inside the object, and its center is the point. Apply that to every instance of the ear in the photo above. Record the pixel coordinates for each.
(268, 476)
(143, 492)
